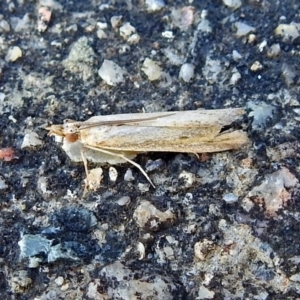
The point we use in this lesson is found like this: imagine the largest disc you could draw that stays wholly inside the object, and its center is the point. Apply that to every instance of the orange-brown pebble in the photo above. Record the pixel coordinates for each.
(7, 154)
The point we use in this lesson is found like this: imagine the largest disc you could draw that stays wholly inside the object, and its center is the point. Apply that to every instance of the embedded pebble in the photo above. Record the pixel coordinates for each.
(102, 25)
(201, 249)
(273, 191)
(7, 154)
(186, 72)
(243, 29)
(31, 139)
(183, 17)
(289, 74)
(212, 70)
(81, 59)
(235, 78)
(133, 39)
(65, 287)
(188, 177)
(128, 176)
(261, 113)
(204, 26)
(288, 32)
(143, 187)
(152, 165)
(111, 73)
(125, 200)
(127, 30)
(13, 54)
(44, 17)
(236, 55)
(256, 66)
(3, 184)
(20, 281)
(167, 34)
(152, 70)
(274, 51)
(251, 38)
(4, 26)
(233, 4)
(230, 198)
(205, 293)
(115, 21)
(262, 45)
(146, 214)
(94, 178)
(59, 280)
(113, 174)
(42, 186)
(101, 34)
(154, 5)
(148, 287)
(141, 250)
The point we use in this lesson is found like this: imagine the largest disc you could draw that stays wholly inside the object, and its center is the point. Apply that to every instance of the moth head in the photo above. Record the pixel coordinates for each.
(56, 130)
(60, 130)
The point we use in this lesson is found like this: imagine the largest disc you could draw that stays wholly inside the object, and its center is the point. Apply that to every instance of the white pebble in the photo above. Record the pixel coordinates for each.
(4, 26)
(94, 178)
(243, 29)
(274, 50)
(143, 187)
(113, 174)
(111, 73)
(128, 175)
(152, 70)
(59, 280)
(31, 139)
(288, 32)
(155, 5)
(236, 55)
(233, 4)
(65, 287)
(102, 25)
(3, 184)
(188, 177)
(235, 77)
(262, 45)
(186, 72)
(167, 34)
(230, 198)
(127, 30)
(125, 200)
(13, 54)
(257, 66)
(101, 34)
(115, 21)
(141, 250)
(134, 39)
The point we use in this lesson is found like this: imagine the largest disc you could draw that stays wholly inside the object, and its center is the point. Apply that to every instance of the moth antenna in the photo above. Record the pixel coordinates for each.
(125, 158)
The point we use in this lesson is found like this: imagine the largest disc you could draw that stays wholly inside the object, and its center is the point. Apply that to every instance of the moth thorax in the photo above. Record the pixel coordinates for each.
(71, 137)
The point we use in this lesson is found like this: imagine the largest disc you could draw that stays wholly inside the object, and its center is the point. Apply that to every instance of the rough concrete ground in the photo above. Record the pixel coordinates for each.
(222, 226)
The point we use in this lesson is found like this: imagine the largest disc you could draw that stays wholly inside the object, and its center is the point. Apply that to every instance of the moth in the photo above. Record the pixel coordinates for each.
(119, 138)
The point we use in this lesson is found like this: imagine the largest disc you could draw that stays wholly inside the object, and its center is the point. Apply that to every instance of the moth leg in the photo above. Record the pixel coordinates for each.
(86, 185)
(125, 158)
(196, 154)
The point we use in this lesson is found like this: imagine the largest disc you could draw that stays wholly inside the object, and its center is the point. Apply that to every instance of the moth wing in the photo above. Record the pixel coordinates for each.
(191, 118)
(162, 139)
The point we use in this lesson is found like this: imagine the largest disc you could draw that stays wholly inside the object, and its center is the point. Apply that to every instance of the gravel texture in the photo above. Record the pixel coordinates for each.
(217, 226)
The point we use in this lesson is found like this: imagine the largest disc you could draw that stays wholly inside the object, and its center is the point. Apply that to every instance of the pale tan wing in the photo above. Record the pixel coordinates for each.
(162, 139)
(74, 127)
(192, 118)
